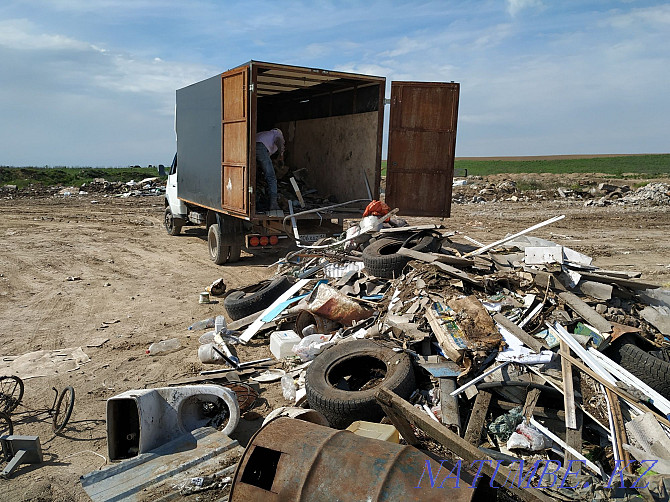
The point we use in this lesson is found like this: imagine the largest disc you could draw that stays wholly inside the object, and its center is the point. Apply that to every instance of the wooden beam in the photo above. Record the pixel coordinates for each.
(459, 274)
(531, 400)
(587, 313)
(449, 404)
(568, 389)
(459, 446)
(400, 423)
(623, 395)
(529, 340)
(619, 429)
(573, 437)
(473, 433)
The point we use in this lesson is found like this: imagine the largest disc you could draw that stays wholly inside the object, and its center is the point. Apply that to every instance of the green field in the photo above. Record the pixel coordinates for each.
(629, 166)
(70, 176)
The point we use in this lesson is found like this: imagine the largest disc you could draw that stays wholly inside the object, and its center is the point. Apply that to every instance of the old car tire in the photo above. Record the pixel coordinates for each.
(239, 304)
(652, 370)
(217, 252)
(172, 225)
(381, 258)
(351, 363)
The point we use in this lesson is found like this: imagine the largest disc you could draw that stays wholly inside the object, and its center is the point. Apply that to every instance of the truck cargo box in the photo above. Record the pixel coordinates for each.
(332, 123)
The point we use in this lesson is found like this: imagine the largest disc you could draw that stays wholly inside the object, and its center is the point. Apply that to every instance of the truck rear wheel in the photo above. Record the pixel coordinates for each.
(218, 253)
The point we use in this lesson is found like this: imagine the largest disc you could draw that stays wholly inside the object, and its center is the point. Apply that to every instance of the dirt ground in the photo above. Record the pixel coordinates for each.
(139, 285)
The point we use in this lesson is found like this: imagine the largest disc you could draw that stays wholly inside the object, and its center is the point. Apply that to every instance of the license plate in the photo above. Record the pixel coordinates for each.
(312, 237)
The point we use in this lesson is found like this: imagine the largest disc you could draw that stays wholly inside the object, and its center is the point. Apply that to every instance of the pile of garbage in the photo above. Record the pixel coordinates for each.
(413, 358)
(147, 186)
(653, 194)
(518, 362)
(476, 190)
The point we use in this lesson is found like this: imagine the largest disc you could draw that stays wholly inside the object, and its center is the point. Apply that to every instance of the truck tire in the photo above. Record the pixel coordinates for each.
(218, 253)
(364, 366)
(235, 253)
(652, 370)
(239, 304)
(381, 258)
(172, 225)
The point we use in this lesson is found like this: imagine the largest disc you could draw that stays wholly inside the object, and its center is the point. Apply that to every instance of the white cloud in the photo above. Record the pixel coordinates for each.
(516, 6)
(21, 34)
(79, 101)
(658, 15)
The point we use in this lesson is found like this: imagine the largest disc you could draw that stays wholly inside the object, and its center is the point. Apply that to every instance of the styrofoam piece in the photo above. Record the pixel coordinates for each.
(543, 255)
(142, 420)
(281, 343)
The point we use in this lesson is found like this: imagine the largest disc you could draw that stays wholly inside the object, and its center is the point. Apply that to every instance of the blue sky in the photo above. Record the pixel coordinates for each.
(92, 82)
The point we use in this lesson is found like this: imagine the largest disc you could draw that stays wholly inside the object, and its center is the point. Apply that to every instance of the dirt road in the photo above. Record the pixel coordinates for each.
(138, 285)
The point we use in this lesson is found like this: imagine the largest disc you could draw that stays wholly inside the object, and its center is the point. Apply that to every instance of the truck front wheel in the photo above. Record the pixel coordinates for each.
(218, 253)
(172, 225)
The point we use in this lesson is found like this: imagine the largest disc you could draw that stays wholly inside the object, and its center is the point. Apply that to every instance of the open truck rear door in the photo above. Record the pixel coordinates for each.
(421, 147)
(235, 140)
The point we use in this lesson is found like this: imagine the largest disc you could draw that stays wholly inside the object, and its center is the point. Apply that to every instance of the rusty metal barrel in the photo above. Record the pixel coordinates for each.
(293, 460)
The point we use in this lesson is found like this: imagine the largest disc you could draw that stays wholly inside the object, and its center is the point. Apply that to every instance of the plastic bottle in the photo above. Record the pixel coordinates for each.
(219, 324)
(164, 346)
(205, 323)
(288, 388)
(208, 355)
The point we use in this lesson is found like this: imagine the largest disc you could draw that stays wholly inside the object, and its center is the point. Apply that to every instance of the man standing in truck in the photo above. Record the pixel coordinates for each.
(267, 144)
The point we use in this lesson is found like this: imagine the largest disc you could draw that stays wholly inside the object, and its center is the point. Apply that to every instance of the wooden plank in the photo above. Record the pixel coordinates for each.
(244, 322)
(627, 283)
(459, 274)
(400, 423)
(587, 313)
(297, 191)
(473, 432)
(531, 400)
(449, 404)
(514, 236)
(436, 257)
(619, 429)
(440, 433)
(573, 437)
(568, 390)
(529, 340)
(623, 395)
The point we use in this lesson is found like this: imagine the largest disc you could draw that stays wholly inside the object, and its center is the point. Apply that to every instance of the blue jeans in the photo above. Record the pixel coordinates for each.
(263, 158)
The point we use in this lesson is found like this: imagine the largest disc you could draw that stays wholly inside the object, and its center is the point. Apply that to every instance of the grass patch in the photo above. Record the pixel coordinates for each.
(630, 166)
(70, 176)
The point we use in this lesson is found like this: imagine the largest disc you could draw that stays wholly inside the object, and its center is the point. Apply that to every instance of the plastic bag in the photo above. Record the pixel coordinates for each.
(504, 425)
(311, 346)
(528, 437)
(288, 388)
